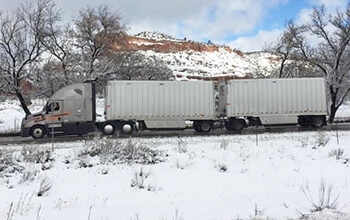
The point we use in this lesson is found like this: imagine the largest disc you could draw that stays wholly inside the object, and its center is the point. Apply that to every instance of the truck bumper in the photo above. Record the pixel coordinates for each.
(25, 132)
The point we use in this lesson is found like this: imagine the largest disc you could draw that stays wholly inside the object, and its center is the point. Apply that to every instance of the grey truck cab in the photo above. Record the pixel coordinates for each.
(69, 111)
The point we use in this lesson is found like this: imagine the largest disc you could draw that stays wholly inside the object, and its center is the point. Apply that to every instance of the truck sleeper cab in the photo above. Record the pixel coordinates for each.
(68, 112)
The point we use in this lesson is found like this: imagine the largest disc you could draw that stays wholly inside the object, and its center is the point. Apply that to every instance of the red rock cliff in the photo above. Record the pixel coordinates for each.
(168, 45)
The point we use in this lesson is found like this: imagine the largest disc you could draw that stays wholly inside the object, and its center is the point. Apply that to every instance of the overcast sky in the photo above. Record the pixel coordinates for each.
(243, 24)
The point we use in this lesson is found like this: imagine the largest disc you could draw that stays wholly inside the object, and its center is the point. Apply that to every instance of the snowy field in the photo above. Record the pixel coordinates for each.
(269, 176)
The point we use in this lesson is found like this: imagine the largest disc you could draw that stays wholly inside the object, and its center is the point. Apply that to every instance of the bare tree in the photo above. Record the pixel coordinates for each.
(96, 30)
(20, 47)
(58, 43)
(328, 54)
(62, 65)
(286, 47)
(57, 70)
(131, 65)
(331, 55)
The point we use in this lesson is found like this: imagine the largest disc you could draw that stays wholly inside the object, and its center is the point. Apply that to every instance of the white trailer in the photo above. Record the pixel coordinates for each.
(160, 105)
(140, 105)
(276, 101)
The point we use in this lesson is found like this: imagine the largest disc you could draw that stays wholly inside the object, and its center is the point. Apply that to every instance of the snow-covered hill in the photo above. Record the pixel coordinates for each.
(188, 58)
(218, 63)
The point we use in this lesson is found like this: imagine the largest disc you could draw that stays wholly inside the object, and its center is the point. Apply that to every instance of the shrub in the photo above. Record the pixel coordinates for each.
(221, 167)
(181, 146)
(44, 187)
(178, 215)
(326, 198)
(183, 162)
(321, 140)
(33, 154)
(123, 152)
(21, 207)
(28, 175)
(139, 178)
(337, 153)
(257, 210)
(224, 144)
(8, 164)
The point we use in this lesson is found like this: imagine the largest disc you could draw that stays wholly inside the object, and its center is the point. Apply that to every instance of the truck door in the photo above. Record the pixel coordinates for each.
(54, 116)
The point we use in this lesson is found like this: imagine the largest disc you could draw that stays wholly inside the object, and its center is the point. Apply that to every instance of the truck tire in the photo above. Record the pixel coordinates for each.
(108, 128)
(37, 131)
(303, 121)
(205, 126)
(317, 121)
(127, 128)
(254, 122)
(197, 126)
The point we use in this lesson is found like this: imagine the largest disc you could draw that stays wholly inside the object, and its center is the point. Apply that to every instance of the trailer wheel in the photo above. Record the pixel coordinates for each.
(197, 126)
(206, 126)
(254, 122)
(108, 128)
(37, 131)
(317, 121)
(127, 128)
(303, 121)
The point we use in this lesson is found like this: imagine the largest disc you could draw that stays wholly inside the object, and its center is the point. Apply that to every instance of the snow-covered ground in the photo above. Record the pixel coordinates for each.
(269, 176)
(226, 177)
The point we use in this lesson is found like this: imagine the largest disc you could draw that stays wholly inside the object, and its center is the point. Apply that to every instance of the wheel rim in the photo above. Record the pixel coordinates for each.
(205, 127)
(317, 122)
(108, 129)
(127, 128)
(37, 132)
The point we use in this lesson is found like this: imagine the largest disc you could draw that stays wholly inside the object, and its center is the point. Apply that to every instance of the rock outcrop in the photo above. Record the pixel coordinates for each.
(171, 46)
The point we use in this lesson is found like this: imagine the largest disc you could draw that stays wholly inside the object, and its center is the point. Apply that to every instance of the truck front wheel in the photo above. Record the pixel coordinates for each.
(37, 132)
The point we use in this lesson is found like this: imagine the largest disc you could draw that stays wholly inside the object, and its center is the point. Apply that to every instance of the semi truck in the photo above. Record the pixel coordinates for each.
(162, 105)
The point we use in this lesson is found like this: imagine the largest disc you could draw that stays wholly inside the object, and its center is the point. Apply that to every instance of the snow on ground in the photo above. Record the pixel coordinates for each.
(269, 176)
(226, 177)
